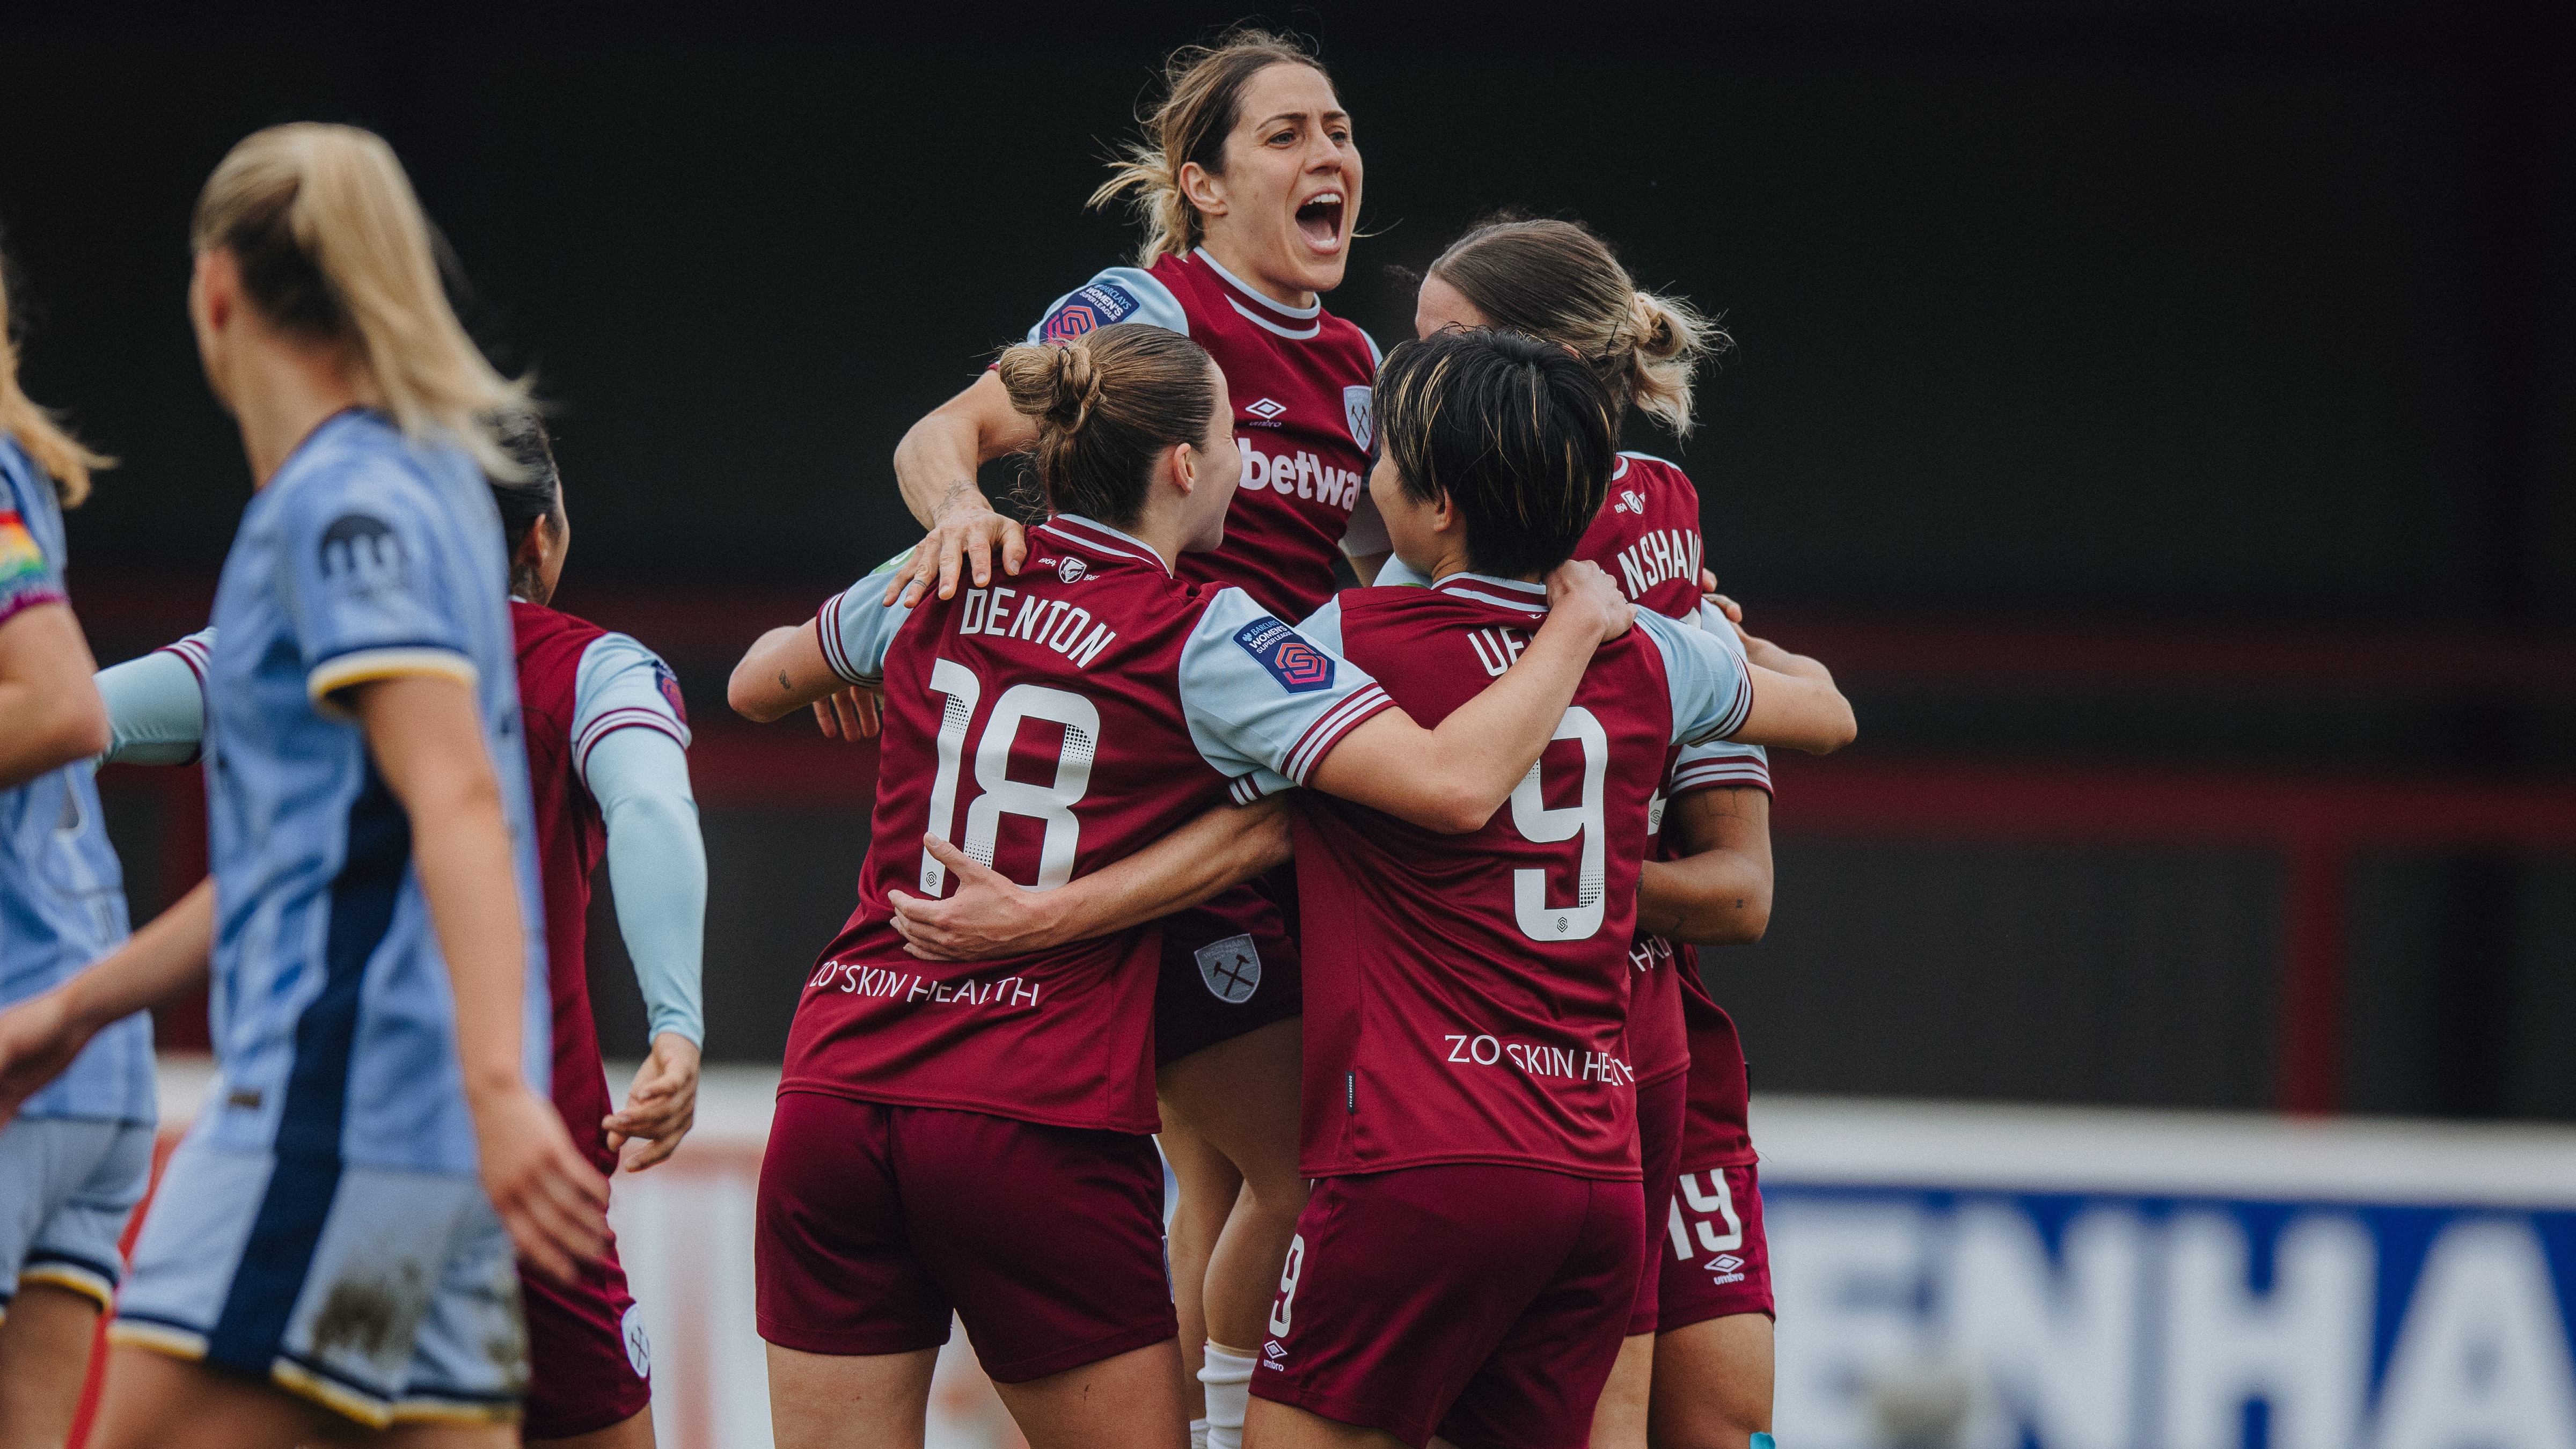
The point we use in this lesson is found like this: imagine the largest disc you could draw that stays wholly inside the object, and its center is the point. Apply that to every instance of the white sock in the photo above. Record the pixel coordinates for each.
(1228, 1377)
(1198, 1434)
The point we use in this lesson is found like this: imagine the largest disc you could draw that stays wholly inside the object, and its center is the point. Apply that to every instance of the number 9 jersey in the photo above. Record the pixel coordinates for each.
(1467, 995)
(1047, 727)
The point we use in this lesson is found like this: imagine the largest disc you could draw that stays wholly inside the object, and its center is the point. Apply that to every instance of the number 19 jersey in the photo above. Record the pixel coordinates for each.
(1047, 727)
(1467, 995)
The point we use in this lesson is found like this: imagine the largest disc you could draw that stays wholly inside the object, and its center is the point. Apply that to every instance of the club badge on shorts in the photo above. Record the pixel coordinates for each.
(1231, 968)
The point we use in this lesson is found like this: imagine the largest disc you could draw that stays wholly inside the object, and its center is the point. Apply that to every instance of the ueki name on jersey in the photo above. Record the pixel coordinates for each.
(1300, 475)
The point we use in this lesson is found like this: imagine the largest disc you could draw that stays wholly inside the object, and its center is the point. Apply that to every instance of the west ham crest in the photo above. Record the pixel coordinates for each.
(1231, 968)
(1358, 404)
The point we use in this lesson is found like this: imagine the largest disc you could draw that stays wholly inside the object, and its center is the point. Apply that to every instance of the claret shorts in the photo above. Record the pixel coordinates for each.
(1478, 1302)
(876, 1221)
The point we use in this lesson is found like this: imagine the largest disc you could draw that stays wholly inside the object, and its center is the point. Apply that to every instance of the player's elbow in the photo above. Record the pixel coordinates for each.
(78, 728)
(744, 693)
(1836, 727)
(1739, 917)
(1454, 808)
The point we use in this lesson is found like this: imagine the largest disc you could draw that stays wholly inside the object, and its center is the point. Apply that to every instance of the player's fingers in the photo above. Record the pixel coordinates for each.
(951, 559)
(1733, 611)
(869, 721)
(953, 858)
(1015, 546)
(536, 1249)
(658, 1149)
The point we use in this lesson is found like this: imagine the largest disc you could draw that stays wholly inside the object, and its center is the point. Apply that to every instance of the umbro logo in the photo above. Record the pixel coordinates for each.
(1726, 1262)
(1273, 1349)
(1265, 409)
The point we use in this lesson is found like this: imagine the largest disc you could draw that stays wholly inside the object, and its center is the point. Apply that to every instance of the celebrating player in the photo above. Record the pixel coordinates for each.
(1509, 1143)
(74, 1159)
(606, 735)
(1248, 185)
(331, 1246)
(1702, 1319)
(971, 1138)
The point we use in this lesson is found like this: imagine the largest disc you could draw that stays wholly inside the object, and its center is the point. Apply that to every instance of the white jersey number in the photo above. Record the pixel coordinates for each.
(1541, 825)
(1051, 804)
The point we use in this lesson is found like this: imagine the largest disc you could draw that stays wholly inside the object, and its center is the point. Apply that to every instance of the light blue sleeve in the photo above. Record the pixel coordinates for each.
(31, 566)
(367, 579)
(858, 626)
(623, 685)
(1324, 626)
(1721, 763)
(1119, 294)
(1265, 703)
(1396, 571)
(156, 705)
(657, 869)
(1711, 687)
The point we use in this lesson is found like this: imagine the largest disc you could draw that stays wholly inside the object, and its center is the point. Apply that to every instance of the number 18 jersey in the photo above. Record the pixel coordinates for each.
(1048, 727)
(1467, 995)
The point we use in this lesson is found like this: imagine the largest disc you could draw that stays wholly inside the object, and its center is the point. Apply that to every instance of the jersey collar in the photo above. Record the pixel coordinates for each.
(1487, 589)
(1100, 537)
(1237, 289)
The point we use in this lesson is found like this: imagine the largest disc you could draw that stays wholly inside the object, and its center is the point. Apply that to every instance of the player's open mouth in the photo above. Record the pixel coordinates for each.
(1319, 220)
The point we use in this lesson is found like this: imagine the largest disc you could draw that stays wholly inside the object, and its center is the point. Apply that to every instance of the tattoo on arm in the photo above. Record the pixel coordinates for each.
(958, 492)
(786, 683)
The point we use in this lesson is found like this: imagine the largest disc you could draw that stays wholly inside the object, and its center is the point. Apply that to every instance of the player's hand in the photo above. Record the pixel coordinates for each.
(554, 1203)
(854, 714)
(1733, 611)
(1579, 586)
(963, 541)
(991, 915)
(38, 1039)
(660, 1107)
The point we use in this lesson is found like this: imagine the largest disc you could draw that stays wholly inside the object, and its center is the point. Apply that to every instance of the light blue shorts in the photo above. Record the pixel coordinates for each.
(66, 1189)
(385, 1296)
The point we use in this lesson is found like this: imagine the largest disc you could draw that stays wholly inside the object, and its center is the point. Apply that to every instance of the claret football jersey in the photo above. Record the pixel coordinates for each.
(1467, 995)
(1303, 385)
(1048, 727)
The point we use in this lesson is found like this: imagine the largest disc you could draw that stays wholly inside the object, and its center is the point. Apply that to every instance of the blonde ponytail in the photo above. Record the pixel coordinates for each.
(332, 246)
(1558, 281)
(1667, 340)
(48, 445)
(1202, 94)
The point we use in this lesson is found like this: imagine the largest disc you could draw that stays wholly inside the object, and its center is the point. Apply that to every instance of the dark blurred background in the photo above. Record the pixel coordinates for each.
(2162, 415)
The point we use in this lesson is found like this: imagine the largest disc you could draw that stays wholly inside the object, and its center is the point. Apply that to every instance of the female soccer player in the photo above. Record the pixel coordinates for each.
(606, 736)
(1403, 930)
(331, 1247)
(75, 1158)
(973, 1138)
(1703, 1327)
(1248, 185)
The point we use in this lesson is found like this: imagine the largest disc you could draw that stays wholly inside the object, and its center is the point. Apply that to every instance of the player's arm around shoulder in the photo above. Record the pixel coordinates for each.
(844, 644)
(1719, 693)
(1453, 778)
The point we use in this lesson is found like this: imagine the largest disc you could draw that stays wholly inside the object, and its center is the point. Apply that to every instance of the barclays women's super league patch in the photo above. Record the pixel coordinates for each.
(1088, 310)
(1299, 667)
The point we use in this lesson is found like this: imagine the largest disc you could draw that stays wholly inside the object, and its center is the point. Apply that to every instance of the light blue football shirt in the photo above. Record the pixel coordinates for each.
(62, 895)
(367, 556)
